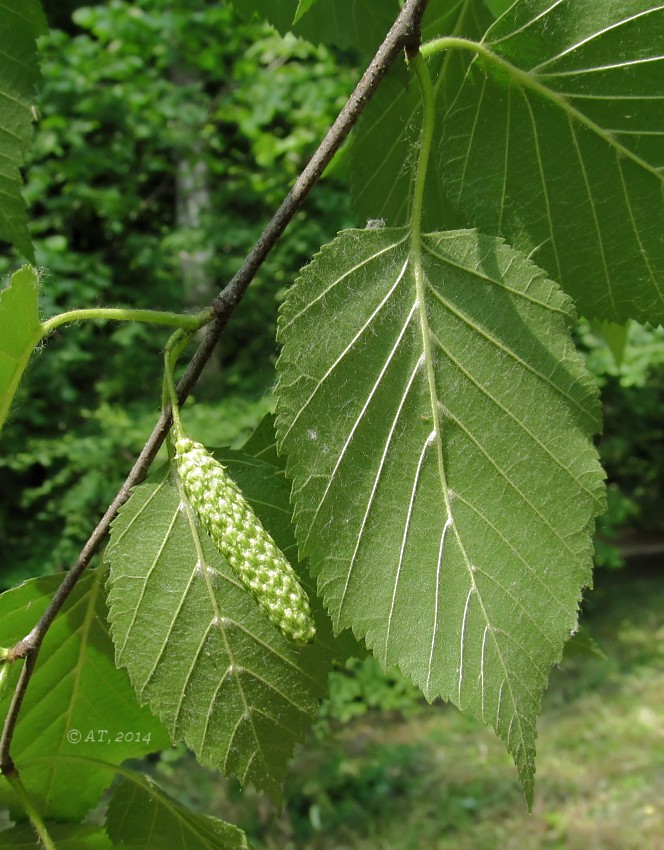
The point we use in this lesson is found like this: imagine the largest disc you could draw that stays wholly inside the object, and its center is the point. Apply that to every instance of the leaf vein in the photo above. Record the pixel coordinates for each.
(530, 434)
(595, 35)
(346, 350)
(374, 488)
(359, 418)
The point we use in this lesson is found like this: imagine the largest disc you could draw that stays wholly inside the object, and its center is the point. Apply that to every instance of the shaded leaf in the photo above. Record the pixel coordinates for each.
(20, 331)
(65, 836)
(438, 434)
(615, 336)
(196, 645)
(358, 24)
(303, 7)
(583, 645)
(141, 816)
(21, 21)
(498, 7)
(262, 444)
(75, 693)
(385, 142)
(556, 141)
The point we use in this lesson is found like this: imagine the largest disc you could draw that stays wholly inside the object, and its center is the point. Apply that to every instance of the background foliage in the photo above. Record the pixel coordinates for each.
(126, 211)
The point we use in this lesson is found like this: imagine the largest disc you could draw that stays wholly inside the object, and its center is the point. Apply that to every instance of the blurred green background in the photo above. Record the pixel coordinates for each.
(168, 134)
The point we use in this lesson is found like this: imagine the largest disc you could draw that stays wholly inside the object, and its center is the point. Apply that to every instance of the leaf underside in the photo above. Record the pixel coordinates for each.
(21, 21)
(141, 815)
(437, 422)
(262, 443)
(556, 141)
(75, 688)
(356, 24)
(20, 331)
(196, 645)
(65, 837)
(303, 7)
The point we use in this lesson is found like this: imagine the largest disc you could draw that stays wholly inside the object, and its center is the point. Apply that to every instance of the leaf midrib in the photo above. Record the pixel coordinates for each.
(527, 81)
(506, 350)
(421, 284)
(233, 666)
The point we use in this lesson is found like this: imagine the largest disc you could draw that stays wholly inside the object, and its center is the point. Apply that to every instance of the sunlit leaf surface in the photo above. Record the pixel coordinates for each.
(78, 702)
(20, 331)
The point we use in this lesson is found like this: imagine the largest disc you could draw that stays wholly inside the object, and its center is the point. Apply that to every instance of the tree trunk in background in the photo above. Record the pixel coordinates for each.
(193, 210)
(193, 206)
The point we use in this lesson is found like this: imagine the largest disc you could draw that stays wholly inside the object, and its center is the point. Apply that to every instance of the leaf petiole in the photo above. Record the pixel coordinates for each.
(419, 66)
(174, 347)
(35, 818)
(529, 81)
(120, 314)
(4, 670)
(439, 45)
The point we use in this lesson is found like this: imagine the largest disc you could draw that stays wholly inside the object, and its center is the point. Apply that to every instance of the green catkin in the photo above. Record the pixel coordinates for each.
(243, 541)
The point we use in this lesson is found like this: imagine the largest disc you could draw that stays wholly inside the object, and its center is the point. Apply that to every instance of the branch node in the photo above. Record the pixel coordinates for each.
(8, 768)
(20, 650)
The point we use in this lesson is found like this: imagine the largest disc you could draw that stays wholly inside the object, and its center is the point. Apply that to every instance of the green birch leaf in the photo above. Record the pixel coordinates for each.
(498, 7)
(21, 21)
(302, 8)
(556, 141)
(357, 24)
(262, 444)
(437, 422)
(385, 140)
(583, 645)
(615, 336)
(66, 837)
(78, 702)
(141, 816)
(196, 645)
(20, 331)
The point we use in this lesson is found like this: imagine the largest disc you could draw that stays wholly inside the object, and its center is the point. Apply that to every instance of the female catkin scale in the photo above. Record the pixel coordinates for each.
(242, 540)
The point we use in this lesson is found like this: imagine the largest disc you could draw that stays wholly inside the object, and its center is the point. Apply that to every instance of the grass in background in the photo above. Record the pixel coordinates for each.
(432, 778)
